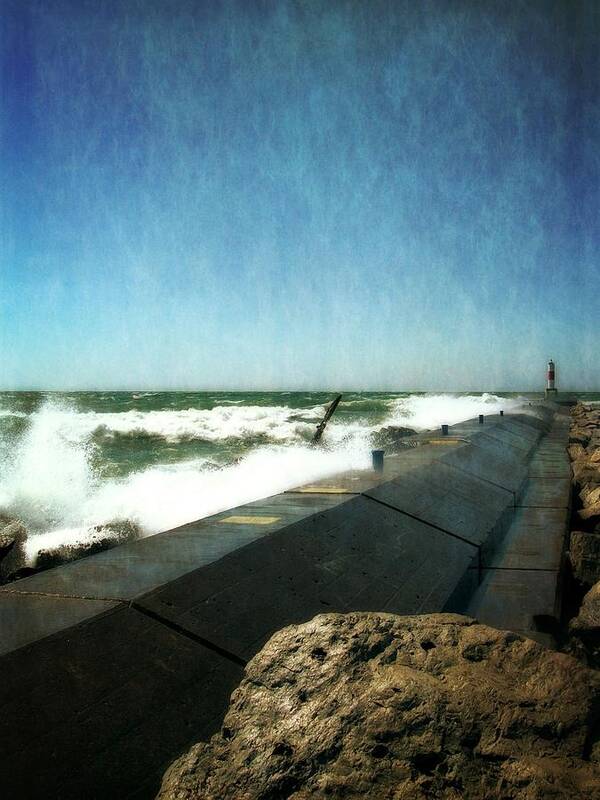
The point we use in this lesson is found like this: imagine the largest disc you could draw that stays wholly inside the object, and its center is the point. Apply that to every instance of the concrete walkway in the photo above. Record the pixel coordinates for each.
(521, 586)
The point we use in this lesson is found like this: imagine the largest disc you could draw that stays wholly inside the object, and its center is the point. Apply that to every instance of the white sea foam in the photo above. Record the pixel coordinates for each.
(166, 496)
(432, 410)
(46, 475)
(221, 422)
(48, 480)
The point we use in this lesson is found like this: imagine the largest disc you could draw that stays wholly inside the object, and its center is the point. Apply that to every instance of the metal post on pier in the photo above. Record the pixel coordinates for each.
(377, 456)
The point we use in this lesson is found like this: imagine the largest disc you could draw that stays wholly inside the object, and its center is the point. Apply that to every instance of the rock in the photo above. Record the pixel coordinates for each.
(8, 533)
(584, 555)
(578, 436)
(400, 708)
(589, 511)
(590, 494)
(584, 472)
(576, 451)
(391, 437)
(585, 628)
(595, 456)
(102, 537)
(589, 613)
(13, 557)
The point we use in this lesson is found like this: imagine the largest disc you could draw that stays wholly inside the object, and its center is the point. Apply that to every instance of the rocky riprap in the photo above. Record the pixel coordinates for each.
(380, 706)
(584, 547)
(584, 451)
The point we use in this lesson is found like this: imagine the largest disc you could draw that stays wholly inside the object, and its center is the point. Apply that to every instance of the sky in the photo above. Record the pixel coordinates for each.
(299, 194)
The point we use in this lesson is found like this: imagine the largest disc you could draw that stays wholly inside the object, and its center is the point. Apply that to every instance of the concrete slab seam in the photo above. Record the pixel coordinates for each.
(518, 569)
(174, 626)
(59, 596)
(485, 480)
(546, 508)
(424, 522)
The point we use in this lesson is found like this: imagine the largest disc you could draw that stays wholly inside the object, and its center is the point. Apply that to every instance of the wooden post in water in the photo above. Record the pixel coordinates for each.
(328, 414)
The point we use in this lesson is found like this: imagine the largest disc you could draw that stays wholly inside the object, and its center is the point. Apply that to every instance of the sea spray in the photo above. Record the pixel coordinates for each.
(432, 410)
(46, 476)
(159, 460)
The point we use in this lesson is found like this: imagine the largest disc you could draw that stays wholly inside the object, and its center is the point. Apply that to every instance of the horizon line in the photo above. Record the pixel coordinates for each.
(307, 390)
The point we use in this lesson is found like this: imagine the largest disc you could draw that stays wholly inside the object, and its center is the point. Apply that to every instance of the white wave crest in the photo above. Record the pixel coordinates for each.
(166, 496)
(221, 422)
(422, 412)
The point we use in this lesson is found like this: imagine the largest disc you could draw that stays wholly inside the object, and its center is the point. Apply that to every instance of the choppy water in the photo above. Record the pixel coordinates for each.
(69, 461)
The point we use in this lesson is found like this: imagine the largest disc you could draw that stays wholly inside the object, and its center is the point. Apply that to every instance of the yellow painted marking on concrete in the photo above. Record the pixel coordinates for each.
(323, 490)
(241, 520)
(445, 441)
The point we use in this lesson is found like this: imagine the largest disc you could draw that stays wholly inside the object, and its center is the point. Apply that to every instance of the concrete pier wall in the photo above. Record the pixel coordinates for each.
(112, 665)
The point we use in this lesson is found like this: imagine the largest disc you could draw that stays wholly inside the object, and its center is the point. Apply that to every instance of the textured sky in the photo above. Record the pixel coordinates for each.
(299, 194)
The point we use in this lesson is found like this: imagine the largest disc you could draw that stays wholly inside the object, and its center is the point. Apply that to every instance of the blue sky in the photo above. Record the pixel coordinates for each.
(307, 194)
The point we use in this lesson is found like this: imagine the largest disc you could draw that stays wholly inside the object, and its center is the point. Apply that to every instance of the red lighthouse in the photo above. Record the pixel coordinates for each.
(550, 379)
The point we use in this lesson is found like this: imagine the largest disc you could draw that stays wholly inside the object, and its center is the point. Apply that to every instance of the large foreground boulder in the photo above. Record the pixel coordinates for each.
(409, 708)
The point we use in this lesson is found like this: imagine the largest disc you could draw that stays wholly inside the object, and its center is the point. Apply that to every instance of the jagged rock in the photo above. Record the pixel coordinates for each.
(13, 558)
(590, 512)
(400, 708)
(102, 537)
(9, 530)
(590, 494)
(584, 555)
(391, 437)
(576, 451)
(579, 436)
(585, 412)
(585, 472)
(589, 613)
(585, 628)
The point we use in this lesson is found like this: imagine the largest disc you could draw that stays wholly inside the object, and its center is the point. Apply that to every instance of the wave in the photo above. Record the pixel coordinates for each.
(432, 410)
(50, 477)
(221, 422)
(166, 496)
(275, 423)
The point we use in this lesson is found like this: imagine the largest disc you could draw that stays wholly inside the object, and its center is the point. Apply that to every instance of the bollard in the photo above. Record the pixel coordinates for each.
(377, 460)
(444, 430)
(501, 412)
(481, 419)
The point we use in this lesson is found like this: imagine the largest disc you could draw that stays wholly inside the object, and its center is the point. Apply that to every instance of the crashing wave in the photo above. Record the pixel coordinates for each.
(50, 480)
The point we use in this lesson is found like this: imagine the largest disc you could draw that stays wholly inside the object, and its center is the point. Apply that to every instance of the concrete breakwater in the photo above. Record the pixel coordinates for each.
(115, 664)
